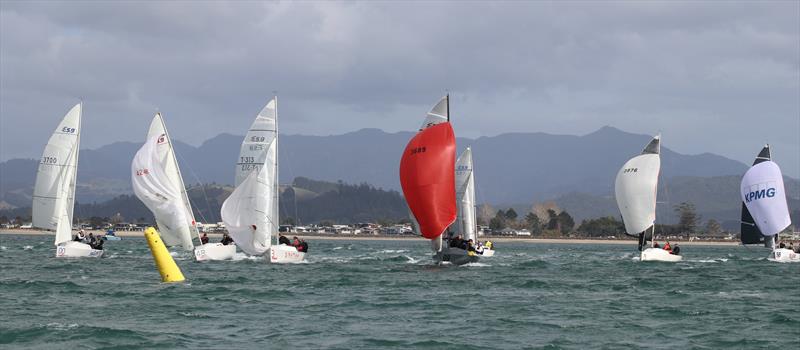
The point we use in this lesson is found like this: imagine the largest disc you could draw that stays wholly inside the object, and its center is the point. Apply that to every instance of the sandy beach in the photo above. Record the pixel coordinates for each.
(312, 237)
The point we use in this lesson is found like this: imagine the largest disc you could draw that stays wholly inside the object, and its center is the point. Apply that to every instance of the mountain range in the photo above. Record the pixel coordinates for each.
(512, 169)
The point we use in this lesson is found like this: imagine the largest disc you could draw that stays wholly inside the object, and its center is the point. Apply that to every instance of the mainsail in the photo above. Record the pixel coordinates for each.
(54, 191)
(157, 182)
(750, 234)
(465, 196)
(426, 173)
(764, 198)
(636, 188)
(255, 199)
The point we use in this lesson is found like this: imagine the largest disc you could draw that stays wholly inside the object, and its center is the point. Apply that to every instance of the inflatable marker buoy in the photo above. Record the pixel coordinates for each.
(169, 270)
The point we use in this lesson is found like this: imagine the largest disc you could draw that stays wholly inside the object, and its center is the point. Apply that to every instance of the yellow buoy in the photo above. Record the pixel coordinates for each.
(169, 270)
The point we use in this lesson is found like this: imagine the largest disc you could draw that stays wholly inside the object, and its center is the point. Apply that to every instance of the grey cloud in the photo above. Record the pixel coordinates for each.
(722, 77)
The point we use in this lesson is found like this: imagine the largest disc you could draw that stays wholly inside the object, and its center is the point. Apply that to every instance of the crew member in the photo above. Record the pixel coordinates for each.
(226, 239)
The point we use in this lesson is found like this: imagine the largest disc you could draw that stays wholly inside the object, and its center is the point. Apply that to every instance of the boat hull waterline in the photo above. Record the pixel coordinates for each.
(784, 255)
(658, 254)
(455, 256)
(75, 249)
(285, 254)
(214, 251)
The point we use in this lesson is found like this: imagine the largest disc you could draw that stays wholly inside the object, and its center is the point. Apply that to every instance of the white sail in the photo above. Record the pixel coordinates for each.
(157, 182)
(248, 206)
(54, 192)
(765, 197)
(636, 188)
(258, 155)
(465, 196)
(438, 114)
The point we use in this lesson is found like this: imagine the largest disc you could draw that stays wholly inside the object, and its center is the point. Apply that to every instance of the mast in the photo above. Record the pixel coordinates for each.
(187, 205)
(276, 194)
(448, 106)
(74, 180)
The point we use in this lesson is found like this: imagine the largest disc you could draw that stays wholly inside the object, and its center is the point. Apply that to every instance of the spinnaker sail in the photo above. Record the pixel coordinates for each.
(636, 188)
(426, 173)
(765, 211)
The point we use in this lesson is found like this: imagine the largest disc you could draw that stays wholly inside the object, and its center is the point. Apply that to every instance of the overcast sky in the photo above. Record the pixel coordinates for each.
(720, 77)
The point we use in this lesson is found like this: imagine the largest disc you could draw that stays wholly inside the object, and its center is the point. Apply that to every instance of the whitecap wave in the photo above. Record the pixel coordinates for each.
(476, 264)
(27, 247)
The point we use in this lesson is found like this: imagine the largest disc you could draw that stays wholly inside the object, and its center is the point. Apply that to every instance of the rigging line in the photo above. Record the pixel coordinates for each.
(200, 184)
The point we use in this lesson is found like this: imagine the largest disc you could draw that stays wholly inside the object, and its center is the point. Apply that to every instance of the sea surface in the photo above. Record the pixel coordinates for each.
(361, 294)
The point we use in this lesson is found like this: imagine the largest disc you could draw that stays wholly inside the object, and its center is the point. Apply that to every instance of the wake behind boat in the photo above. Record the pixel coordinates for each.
(54, 191)
(765, 212)
(636, 189)
(251, 212)
(157, 182)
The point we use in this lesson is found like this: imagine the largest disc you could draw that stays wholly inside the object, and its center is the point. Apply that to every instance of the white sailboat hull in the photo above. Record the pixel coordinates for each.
(658, 254)
(285, 254)
(73, 249)
(487, 253)
(784, 255)
(455, 256)
(214, 251)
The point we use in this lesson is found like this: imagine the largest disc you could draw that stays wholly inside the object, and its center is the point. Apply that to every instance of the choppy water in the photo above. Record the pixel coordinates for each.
(387, 294)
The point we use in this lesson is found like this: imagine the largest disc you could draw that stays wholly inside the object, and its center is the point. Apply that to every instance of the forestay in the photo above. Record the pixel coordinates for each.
(764, 196)
(636, 188)
(157, 182)
(465, 196)
(54, 191)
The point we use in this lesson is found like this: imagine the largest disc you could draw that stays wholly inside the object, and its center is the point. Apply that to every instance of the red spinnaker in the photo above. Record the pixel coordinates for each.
(427, 175)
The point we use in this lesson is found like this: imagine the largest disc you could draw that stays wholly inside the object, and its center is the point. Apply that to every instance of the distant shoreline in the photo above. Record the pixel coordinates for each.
(312, 237)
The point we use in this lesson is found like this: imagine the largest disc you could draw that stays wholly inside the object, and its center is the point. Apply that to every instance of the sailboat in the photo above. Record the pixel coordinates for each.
(427, 177)
(157, 182)
(250, 213)
(466, 221)
(765, 212)
(636, 188)
(54, 191)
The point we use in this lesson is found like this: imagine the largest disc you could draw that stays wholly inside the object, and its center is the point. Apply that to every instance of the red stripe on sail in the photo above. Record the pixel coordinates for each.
(427, 176)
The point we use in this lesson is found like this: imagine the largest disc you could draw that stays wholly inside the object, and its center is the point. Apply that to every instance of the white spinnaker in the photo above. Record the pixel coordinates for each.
(438, 114)
(157, 182)
(636, 188)
(245, 207)
(54, 191)
(765, 197)
(465, 196)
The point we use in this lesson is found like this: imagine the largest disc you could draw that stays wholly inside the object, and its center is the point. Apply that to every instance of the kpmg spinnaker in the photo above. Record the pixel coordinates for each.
(54, 191)
(765, 212)
(157, 182)
(251, 213)
(636, 189)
